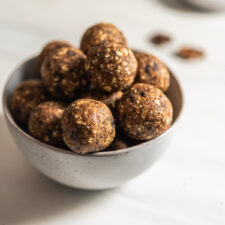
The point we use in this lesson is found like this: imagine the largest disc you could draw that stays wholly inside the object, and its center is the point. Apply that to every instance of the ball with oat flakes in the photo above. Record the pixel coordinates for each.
(111, 66)
(45, 121)
(87, 126)
(49, 48)
(144, 112)
(100, 32)
(25, 97)
(152, 71)
(62, 72)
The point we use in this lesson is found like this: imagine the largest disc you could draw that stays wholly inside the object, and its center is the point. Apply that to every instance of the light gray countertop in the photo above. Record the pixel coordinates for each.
(187, 186)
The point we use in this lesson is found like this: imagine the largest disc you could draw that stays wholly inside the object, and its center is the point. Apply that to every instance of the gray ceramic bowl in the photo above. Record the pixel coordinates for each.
(93, 171)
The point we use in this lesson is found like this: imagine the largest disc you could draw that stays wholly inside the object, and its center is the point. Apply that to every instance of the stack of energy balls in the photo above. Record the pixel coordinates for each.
(99, 97)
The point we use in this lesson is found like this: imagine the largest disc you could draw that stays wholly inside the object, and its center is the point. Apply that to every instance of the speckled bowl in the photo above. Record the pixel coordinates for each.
(93, 171)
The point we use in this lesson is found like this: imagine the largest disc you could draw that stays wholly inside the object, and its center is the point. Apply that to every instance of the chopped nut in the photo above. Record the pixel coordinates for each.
(190, 53)
(160, 39)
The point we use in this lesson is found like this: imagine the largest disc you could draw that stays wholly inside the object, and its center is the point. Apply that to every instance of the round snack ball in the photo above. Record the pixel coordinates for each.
(144, 112)
(110, 99)
(49, 48)
(25, 97)
(101, 32)
(152, 71)
(62, 72)
(45, 123)
(111, 66)
(87, 126)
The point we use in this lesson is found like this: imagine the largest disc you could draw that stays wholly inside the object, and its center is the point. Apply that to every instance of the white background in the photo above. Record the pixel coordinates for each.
(187, 186)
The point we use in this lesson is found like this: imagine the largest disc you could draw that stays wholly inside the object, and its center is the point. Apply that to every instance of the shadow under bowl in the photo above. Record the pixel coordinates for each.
(92, 171)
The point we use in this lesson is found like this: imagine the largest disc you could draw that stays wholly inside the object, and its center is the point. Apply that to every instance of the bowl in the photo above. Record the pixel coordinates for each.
(207, 4)
(92, 171)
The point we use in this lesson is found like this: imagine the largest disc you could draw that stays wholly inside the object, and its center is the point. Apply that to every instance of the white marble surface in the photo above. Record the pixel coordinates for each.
(187, 186)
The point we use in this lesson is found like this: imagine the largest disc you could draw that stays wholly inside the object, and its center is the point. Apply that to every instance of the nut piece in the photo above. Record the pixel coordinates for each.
(25, 97)
(144, 112)
(87, 126)
(62, 72)
(44, 123)
(110, 99)
(160, 39)
(111, 66)
(189, 53)
(49, 48)
(152, 71)
(98, 33)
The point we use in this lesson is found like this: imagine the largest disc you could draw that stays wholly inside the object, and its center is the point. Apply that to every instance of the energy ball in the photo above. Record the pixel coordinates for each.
(101, 32)
(110, 99)
(152, 71)
(62, 72)
(144, 112)
(111, 66)
(25, 97)
(49, 48)
(87, 126)
(45, 123)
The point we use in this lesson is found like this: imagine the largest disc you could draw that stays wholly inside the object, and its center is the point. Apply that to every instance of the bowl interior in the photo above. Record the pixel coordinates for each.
(29, 70)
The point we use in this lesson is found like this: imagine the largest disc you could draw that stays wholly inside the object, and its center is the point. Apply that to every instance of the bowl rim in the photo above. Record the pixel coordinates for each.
(9, 117)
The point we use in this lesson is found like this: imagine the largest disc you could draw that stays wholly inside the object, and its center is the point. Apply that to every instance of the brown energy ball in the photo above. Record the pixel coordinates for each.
(45, 123)
(62, 72)
(49, 48)
(110, 99)
(98, 33)
(144, 112)
(25, 97)
(152, 71)
(111, 66)
(87, 126)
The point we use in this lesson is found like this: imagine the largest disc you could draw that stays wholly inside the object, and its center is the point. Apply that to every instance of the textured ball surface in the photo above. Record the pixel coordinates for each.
(87, 126)
(111, 66)
(152, 71)
(25, 97)
(62, 72)
(101, 32)
(49, 48)
(144, 112)
(45, 123)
